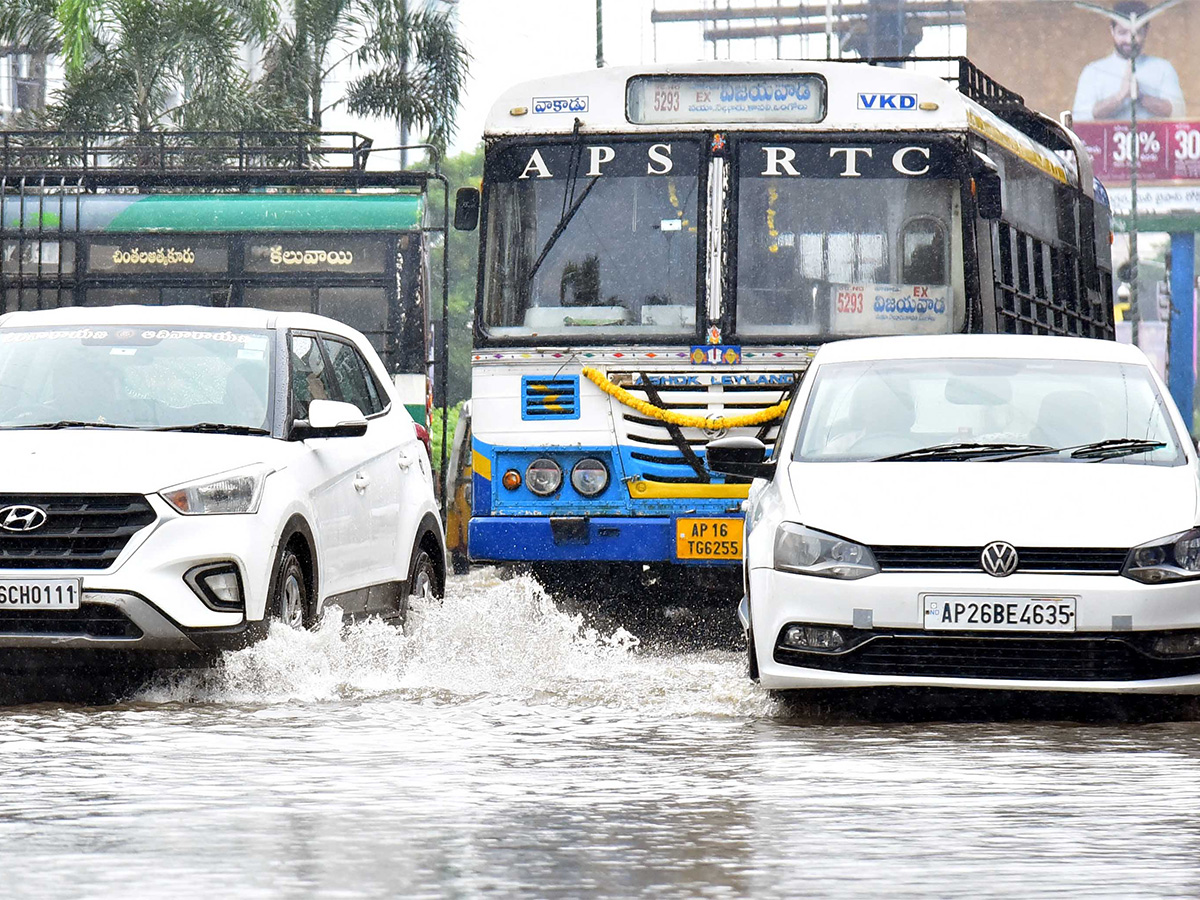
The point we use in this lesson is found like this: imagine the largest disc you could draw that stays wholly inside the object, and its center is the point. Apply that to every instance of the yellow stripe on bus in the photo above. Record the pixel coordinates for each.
(665, 490)
(481, 465)
(1031, 156)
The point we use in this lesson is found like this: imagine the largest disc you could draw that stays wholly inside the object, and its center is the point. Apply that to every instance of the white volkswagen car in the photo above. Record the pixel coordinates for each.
(974, 511)
(175, 478)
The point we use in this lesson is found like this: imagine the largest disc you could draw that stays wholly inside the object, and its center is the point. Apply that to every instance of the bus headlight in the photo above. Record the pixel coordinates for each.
(589, 476)
(543, 477)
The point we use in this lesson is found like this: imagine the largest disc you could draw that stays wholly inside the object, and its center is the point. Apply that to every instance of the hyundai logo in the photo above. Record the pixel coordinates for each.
(999, 559)
(22, 518)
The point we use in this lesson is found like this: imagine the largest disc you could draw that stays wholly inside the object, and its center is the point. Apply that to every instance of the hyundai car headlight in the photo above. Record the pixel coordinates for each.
(811, 552)
(1175, 557)
(237, 491)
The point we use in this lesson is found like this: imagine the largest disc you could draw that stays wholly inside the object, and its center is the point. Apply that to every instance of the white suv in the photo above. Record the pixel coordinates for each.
(175, 478)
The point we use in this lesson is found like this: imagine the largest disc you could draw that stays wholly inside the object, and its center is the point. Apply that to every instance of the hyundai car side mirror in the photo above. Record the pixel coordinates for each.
(466, 209)
(742, 456)
(329, 418)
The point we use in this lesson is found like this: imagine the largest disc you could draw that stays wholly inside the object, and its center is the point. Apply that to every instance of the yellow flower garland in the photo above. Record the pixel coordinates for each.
(684, 420)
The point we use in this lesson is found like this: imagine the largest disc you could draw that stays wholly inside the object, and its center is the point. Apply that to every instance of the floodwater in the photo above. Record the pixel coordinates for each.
(504, 748)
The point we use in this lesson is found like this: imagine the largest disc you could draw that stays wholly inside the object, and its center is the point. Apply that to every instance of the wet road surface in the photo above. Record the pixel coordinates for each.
(504, 748)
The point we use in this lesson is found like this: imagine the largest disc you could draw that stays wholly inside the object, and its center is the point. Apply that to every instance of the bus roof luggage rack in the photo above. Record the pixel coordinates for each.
(203, 159)
(975, 84)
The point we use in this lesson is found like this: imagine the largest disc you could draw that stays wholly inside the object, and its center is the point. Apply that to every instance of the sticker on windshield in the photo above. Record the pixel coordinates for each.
(890, 308)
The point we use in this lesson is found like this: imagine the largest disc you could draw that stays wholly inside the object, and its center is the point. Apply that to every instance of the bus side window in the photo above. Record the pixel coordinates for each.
(923, 251)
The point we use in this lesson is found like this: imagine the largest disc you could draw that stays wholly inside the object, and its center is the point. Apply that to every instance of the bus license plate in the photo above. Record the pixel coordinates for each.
(945, 613)
(40, 593)
(708, 538)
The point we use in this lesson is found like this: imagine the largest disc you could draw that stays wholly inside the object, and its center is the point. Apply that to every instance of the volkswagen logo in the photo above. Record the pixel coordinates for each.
(999, 559)
(22, 518)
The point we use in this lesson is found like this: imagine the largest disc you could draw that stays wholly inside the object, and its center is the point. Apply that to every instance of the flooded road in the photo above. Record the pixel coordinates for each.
(505, 749)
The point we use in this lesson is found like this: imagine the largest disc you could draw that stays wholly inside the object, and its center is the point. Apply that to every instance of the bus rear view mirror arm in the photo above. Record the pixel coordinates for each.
(742, 456)
(985, 179)
(466, 209)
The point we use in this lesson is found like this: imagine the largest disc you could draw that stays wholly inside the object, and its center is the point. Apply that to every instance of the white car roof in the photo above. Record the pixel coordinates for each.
(175, 316)
(974, 346)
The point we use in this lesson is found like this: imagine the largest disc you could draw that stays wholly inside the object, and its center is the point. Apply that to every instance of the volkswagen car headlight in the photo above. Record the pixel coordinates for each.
(237, 491)
(1172, 558)
(811, 552)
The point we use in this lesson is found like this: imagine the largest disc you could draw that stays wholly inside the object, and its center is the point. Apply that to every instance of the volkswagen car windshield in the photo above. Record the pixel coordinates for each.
(983, 410)
(848, 239)
(135, 377)
(592, 238)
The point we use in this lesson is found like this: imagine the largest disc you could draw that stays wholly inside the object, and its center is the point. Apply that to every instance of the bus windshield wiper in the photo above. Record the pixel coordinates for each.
(214, 428)
(68, 423)
(571, 203)
(963, 450)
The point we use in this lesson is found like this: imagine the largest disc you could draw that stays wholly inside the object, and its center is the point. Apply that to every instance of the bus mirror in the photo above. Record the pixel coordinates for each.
(466, 209)
(988, 195)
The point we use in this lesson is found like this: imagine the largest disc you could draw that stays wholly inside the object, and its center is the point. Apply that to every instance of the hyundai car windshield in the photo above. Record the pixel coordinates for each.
(132, 376)
(987, 410)
(592, 238)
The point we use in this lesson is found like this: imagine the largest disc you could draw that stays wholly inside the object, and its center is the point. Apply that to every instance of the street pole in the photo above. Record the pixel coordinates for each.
(599, 34)
(1133, 210)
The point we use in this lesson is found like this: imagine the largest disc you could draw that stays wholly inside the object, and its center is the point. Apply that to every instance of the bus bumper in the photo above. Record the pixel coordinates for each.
(646, 539)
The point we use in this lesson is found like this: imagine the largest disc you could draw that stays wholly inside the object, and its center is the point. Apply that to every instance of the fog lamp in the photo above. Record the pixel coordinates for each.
(219, 585)
(813, 637)
(1183, 643)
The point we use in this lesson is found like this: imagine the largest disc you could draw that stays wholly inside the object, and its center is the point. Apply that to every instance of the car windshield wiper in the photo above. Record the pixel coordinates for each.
(963, 450)
(69, 423)
(214, 428)
(1114, 447)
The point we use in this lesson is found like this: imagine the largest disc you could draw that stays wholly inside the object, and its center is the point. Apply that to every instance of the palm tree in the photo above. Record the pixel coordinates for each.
(149, 65)
(415, 64)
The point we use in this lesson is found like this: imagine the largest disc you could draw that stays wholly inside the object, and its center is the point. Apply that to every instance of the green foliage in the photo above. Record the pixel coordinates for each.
(462, 170)
(436, 436)
(152, 65)
(414, 64)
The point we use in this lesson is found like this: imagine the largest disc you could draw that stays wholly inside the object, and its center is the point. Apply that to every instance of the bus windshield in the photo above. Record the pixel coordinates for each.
(594, 237)
(848, 239)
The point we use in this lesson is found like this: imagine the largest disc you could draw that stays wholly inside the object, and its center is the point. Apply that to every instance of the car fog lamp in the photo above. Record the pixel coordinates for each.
(544, 476)
(1184, 643)
(511, 479)
(589, 477)
(813, 637)
(219, 585)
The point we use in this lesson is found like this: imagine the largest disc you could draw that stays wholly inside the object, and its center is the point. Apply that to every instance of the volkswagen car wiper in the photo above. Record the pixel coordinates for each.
(214, 428)
(68, 423)
(1114, 447)
(963, 450)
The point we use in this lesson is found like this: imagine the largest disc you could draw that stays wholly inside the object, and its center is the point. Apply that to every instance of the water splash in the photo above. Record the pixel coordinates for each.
(489, 639)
